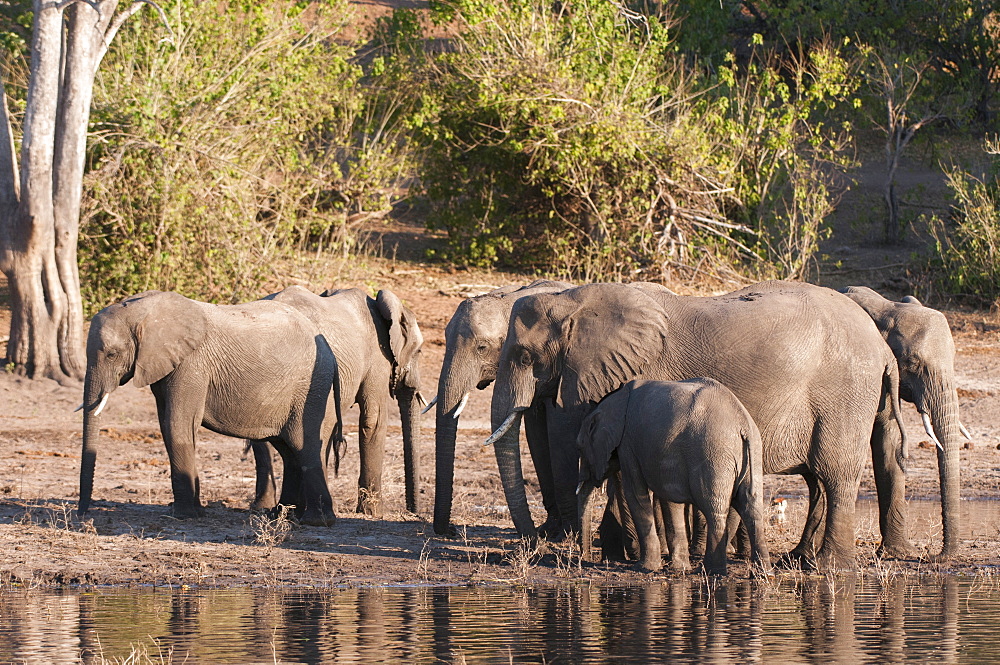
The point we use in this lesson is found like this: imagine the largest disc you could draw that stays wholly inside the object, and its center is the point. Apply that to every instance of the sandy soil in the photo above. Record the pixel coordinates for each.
(130, 538)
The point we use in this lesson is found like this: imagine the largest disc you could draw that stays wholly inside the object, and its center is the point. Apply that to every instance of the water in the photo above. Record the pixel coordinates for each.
(876, 618)
(939, 618)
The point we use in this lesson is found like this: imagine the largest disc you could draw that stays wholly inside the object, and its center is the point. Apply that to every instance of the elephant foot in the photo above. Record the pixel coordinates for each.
(264, 506)
(555, 530)
(550, 527)
(369, 503)
(447, 531)
(796, 560)
(896, 550)
(318, 519)
(650, 565)
(680, 565)
(186, 512)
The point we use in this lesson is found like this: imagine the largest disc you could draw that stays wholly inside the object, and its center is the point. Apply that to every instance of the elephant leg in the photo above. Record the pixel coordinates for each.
(737, 536)
(811, 540)
(537, 434)
(676, 533)
(696, 522)
(716, 540)
(619, 541)
(371, 440)
(661, 518)
(890, 484)
(178, 426)
(265, 494)
(314, 503)
(838, 550)
(291, 479)
(565, 458)
(641, 506)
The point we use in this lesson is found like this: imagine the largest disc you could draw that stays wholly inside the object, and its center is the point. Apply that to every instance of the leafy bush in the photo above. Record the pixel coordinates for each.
(560, 137)
(226, 143)
(576, 140)
(969, 249)
(779, 152)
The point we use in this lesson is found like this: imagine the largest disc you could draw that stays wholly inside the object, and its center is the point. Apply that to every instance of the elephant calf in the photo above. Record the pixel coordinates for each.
(688, 442)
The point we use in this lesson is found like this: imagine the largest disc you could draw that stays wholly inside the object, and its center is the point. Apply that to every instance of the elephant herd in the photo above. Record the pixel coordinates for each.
(689, 398)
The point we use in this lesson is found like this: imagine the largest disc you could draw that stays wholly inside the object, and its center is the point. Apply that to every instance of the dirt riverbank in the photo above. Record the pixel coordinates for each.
(130, 538)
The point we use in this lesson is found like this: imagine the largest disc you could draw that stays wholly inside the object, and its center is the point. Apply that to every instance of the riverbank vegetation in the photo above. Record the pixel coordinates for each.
(591, 139)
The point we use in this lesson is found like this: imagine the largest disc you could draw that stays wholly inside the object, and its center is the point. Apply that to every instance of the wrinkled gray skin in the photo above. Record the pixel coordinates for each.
(260, 370)
(687, 442)
(921, 341)
(473, 339)
(377, 343)
(808, 364)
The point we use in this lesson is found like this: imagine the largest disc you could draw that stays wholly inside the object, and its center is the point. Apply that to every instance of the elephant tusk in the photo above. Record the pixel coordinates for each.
(964, 431)
(100, 407)
(930, 430)
(79, 408)
(461, 406)
(420, 400)
(428, 407)
(579, 486)
(502, 429)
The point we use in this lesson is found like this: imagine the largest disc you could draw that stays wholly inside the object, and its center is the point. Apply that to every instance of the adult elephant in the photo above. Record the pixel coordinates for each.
(807, 363)
(377, 343)
(473, 338)
(260, 371)
(921, 341)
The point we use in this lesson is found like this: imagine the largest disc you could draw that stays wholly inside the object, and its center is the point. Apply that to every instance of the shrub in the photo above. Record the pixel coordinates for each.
(577, 140)
(969, 248)
(230, 141)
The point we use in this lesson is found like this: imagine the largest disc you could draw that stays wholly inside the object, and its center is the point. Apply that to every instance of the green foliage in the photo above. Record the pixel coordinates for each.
(969, 248)
(780, 152)
(579, 142)
(225, 144)
(552, 131)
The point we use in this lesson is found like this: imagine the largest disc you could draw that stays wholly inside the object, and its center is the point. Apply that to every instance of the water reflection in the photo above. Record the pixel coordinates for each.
(805, 619)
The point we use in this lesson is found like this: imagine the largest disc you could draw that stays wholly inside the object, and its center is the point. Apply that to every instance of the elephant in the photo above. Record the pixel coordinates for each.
(920, 340)
(473, 338)
(809, 366)
(689, 442)
(260, 370)
(377, 343)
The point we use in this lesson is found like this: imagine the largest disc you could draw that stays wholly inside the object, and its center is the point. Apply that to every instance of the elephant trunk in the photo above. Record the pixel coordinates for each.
(506, 412)
(453, 390)
(585, 504)
(409, 412)
(942, 407)
(94, 399)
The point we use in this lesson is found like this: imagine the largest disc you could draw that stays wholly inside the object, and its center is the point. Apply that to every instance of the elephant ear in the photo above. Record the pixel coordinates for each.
(608, 343)
(173, 328)
(405, 337)
(600, 435)
(911, 300)
(391, 309)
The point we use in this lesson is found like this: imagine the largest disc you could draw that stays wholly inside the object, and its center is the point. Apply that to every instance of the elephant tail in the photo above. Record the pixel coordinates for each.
(337, 442)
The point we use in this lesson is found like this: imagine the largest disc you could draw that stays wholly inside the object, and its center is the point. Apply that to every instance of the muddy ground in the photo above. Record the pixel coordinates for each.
(130, 537)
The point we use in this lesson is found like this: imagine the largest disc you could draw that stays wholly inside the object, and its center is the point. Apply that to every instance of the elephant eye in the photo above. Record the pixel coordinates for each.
(111, 355)
(525, 357)
(481, 348)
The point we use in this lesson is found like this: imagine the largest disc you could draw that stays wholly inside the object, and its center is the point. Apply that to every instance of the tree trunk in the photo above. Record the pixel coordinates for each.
(40, 209)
